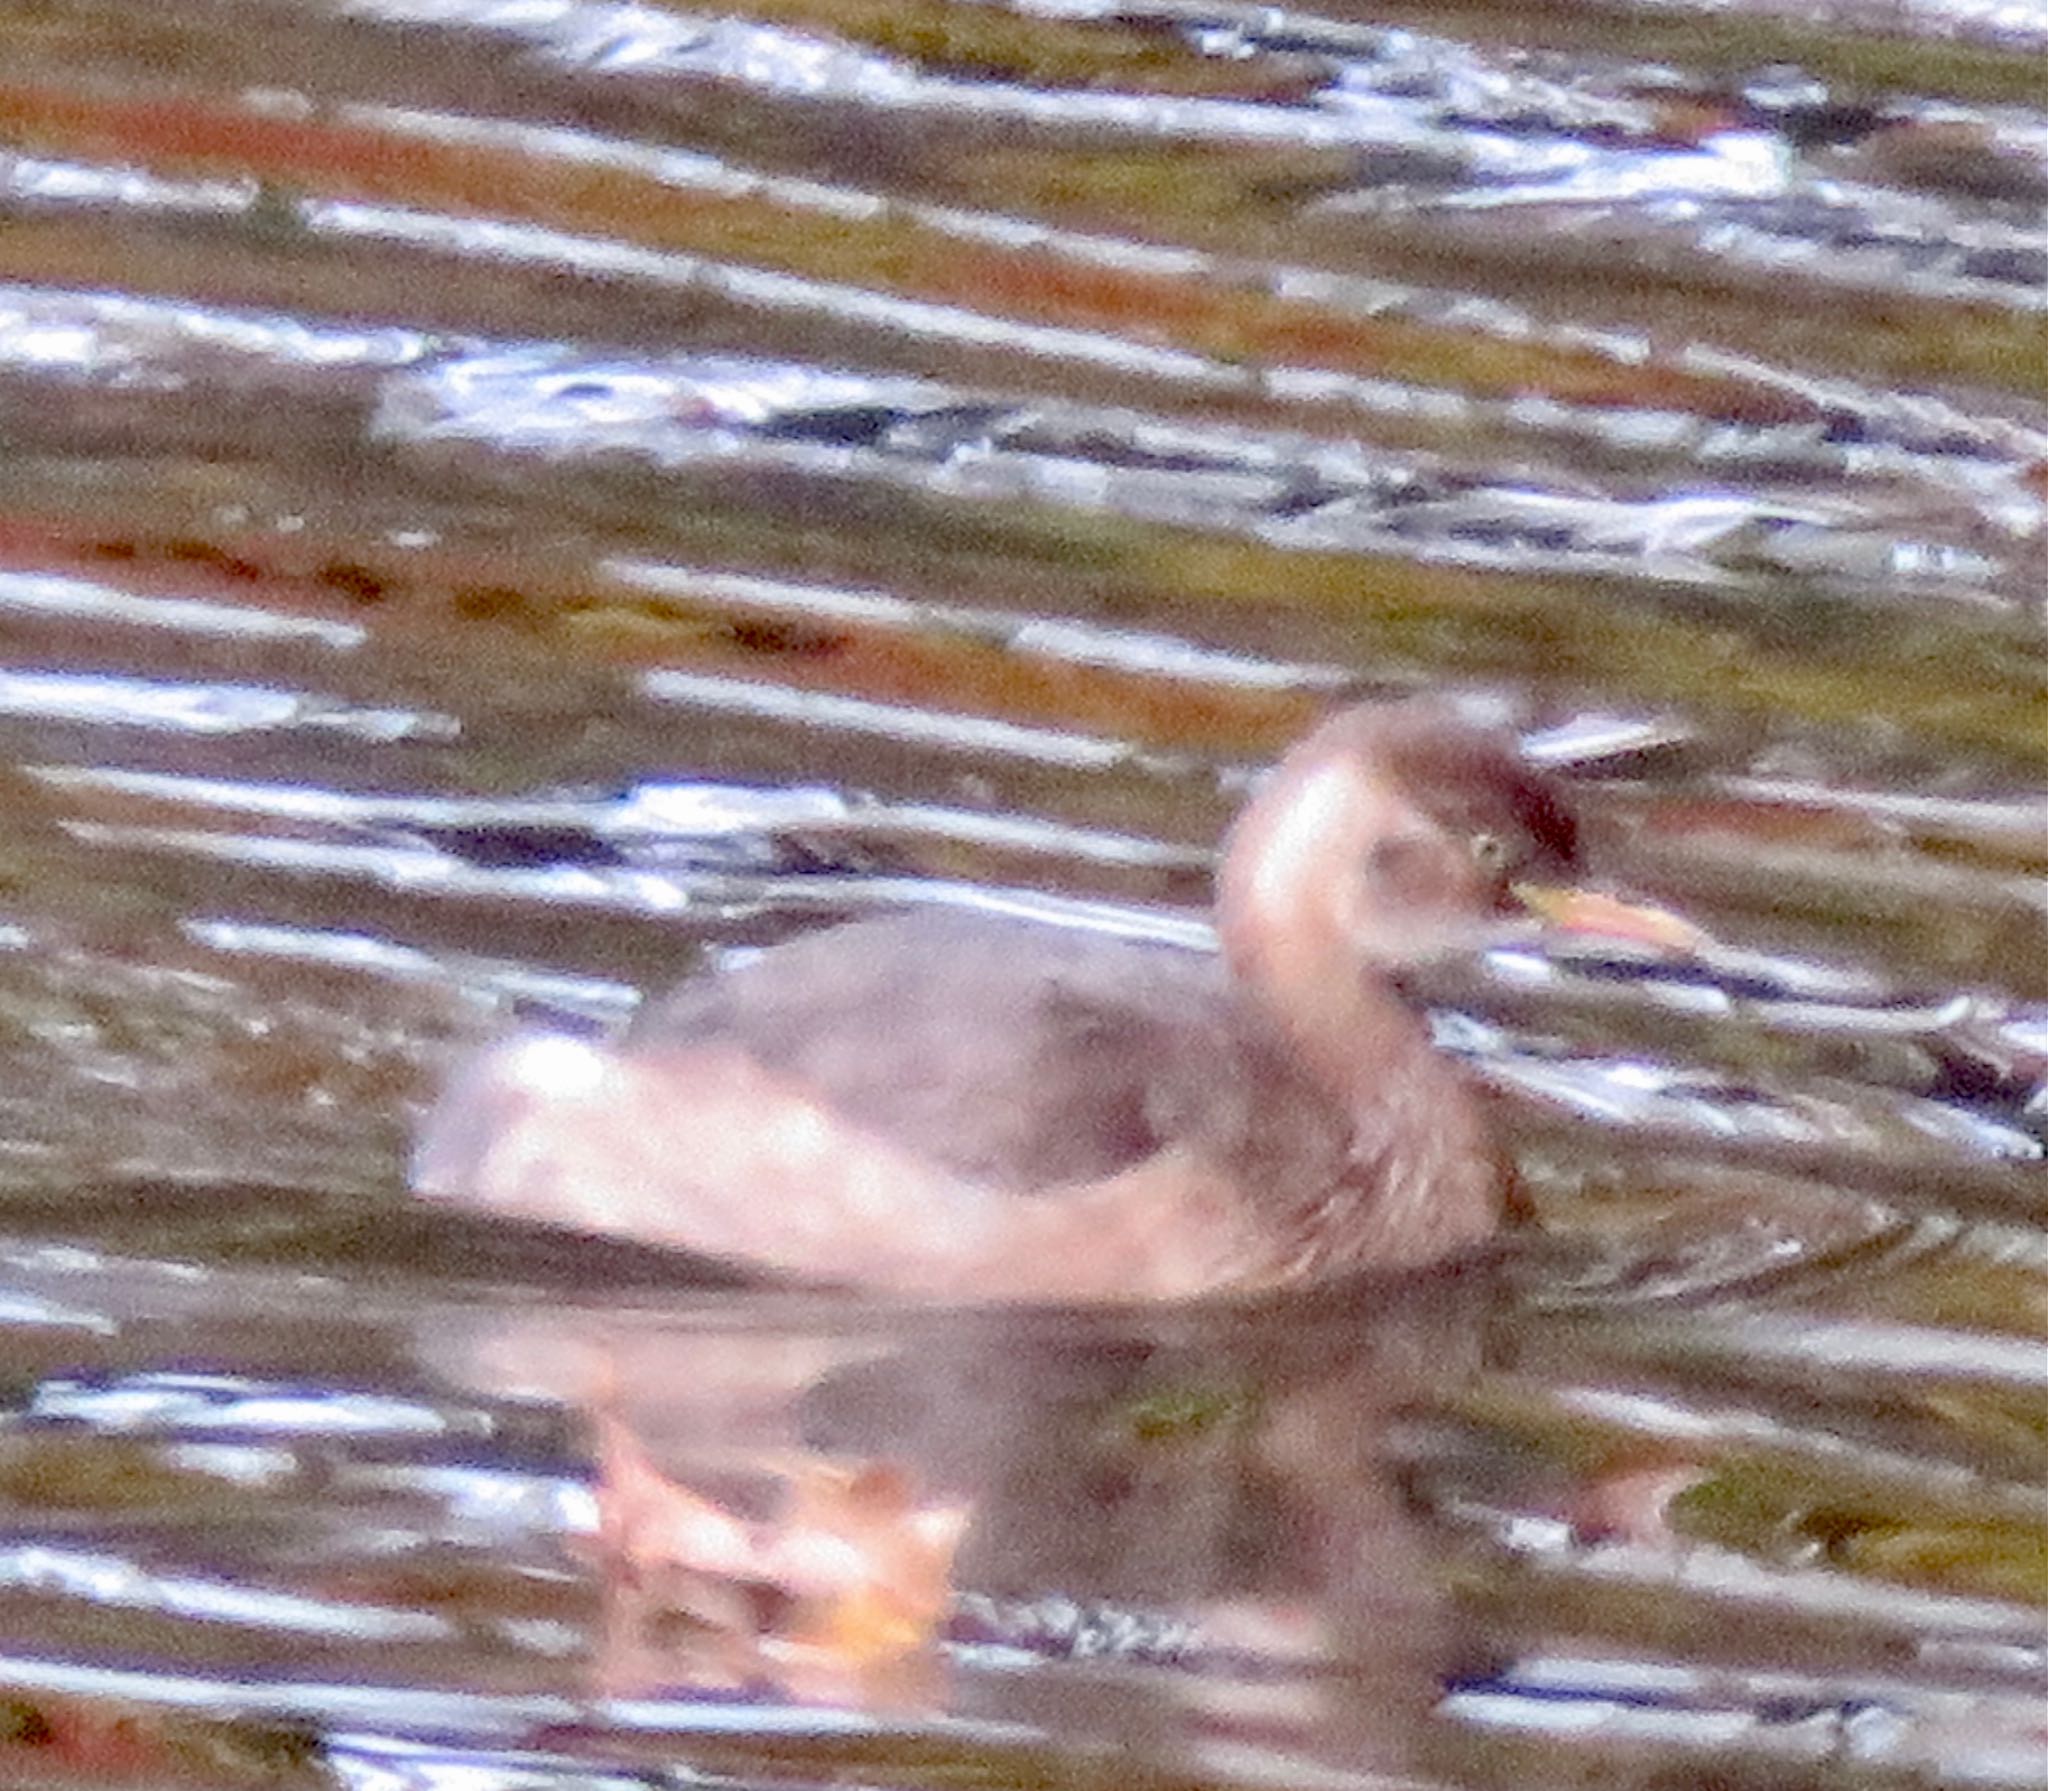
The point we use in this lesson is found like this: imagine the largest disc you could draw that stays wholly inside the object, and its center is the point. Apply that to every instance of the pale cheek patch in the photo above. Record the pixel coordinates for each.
(1301, 832)
(1301, 868)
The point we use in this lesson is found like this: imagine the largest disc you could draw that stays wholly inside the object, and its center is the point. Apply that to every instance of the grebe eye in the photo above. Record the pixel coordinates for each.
(1491, 852)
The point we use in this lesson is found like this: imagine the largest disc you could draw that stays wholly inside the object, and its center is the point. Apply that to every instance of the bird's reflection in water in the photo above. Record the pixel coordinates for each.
(1154, 1529)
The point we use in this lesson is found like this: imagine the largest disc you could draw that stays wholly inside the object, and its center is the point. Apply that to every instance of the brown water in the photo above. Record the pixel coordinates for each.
(498, 500)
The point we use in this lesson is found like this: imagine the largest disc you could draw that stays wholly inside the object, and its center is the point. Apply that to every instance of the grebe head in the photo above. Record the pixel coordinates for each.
(1390, 833)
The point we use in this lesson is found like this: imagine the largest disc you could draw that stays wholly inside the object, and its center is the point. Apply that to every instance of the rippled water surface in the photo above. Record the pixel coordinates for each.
(503, 500)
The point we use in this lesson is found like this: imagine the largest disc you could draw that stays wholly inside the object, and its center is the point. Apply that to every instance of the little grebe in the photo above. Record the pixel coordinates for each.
(967, 1107)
